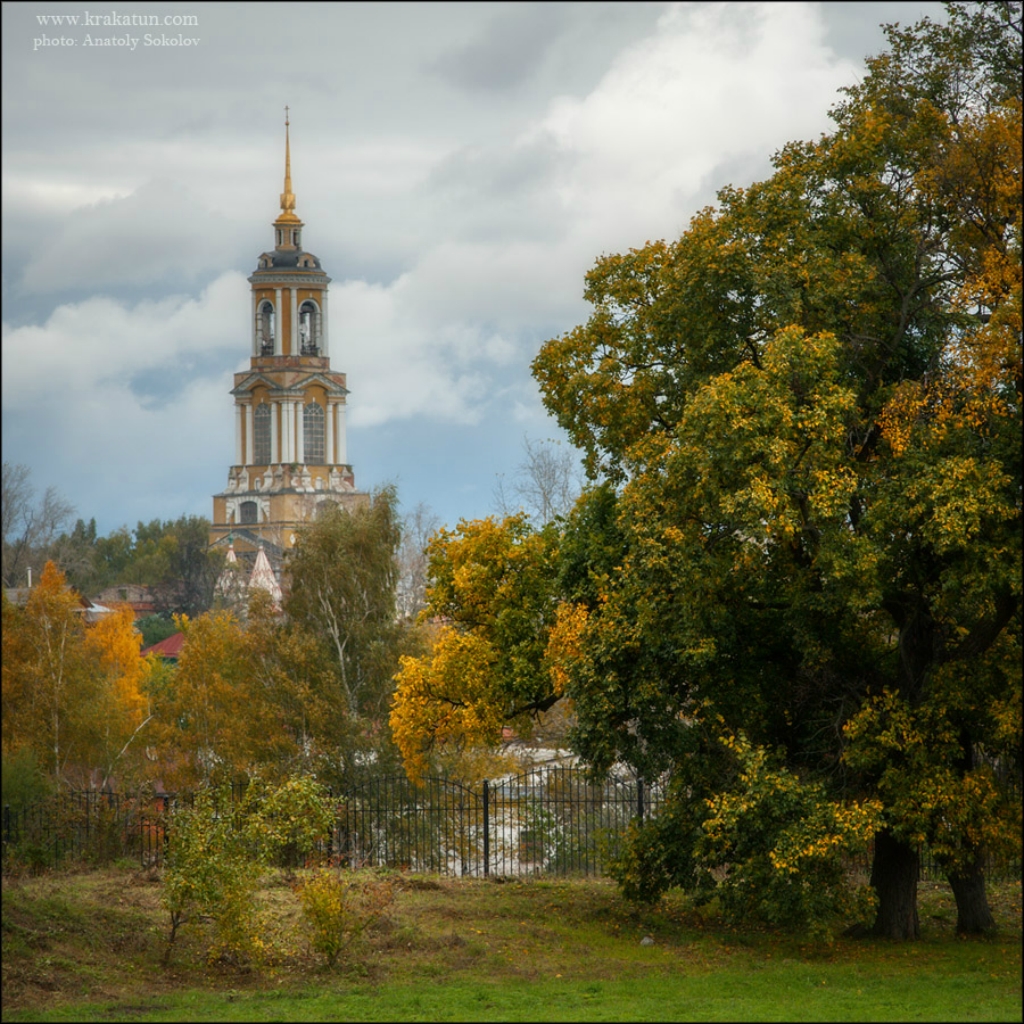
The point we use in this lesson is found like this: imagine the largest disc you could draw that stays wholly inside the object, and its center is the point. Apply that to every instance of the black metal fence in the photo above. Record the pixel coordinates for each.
(87, 826)
(551, 820)
(548, 820)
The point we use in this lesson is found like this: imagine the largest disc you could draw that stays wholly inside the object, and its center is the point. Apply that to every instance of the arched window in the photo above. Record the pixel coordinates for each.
(265, 327)
(324, 507)
(313, 433)
(248, 512)
(261, 435)
(309, 329)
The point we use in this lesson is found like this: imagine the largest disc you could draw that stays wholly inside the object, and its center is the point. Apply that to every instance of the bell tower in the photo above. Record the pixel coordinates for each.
(290, 450)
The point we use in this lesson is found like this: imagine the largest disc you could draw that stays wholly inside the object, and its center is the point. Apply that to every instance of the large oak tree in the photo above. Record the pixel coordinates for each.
(807, 415)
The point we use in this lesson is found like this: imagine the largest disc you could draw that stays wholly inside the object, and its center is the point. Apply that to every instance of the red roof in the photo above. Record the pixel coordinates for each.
(169, 648)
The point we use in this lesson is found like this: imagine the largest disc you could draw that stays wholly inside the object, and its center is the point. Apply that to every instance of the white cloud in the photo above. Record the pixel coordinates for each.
(400, 365)
(713, 85)
(457, 203)
(55, 197)
(95, 349)
(157, 232)
(714, 82)
(126, 408)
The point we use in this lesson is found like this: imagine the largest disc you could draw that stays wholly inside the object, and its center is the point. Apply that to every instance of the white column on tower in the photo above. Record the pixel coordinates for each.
(278, 324)
(239, 454)
(292, 452)
(250, 453)
(286, 432)
(339, 411)
(300, 432)
(255, 325)
(329, 430)
(325, 348)
(275, 454)
(295, 322)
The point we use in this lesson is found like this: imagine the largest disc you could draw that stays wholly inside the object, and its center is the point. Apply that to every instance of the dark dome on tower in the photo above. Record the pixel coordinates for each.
(290, 259)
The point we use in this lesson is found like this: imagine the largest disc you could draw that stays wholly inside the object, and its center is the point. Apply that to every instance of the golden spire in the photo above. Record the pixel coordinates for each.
(287, 196)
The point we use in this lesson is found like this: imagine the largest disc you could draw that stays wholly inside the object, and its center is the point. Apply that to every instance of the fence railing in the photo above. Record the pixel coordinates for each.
(551, 820)
(90, 826)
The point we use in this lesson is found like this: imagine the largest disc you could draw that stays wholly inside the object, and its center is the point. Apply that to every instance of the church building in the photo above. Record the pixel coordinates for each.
(290, 454)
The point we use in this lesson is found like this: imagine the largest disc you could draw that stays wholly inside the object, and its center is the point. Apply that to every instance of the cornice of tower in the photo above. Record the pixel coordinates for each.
(287, 383)
(276, 274)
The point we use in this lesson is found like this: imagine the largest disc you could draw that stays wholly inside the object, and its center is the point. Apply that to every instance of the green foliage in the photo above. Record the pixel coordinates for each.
(783, 848)
(337, 909)
(772, 848)
(24, 781)
(219, 849)
(176, 558)
(492, 585)
(214, 868)
(172, 557)
(296, 816)
(344, 572)
(916, 759)
(811, 445)
(661, 853)
(155, 628)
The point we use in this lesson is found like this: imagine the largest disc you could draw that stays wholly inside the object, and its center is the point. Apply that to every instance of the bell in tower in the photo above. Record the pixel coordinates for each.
(290, 456)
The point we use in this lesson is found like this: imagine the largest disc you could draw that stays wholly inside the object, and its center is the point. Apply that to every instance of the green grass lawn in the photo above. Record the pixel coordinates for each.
(90, 947)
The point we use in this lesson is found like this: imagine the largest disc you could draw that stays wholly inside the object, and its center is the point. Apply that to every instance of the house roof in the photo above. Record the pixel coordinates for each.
(94, 612)
(169, 648)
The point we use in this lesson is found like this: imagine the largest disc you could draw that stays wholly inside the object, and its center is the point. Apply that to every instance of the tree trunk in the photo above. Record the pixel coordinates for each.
(973, 915)
(894, 875)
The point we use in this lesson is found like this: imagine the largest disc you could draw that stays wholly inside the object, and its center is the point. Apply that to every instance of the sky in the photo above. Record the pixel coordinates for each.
(459, 167)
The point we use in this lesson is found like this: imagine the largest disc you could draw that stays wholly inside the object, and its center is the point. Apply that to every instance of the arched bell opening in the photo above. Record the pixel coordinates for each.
(266, 328)
(309, 328)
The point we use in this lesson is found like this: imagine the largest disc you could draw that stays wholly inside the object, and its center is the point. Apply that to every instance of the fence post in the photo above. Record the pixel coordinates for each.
(487, 829)
(640, 799)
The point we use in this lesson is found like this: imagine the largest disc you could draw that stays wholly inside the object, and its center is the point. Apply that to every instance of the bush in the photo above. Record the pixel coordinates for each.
(214, 870)
(783, 846)
(219, 848)
(155, 628)
(295, 820)
(337, 909)
(772, 847)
